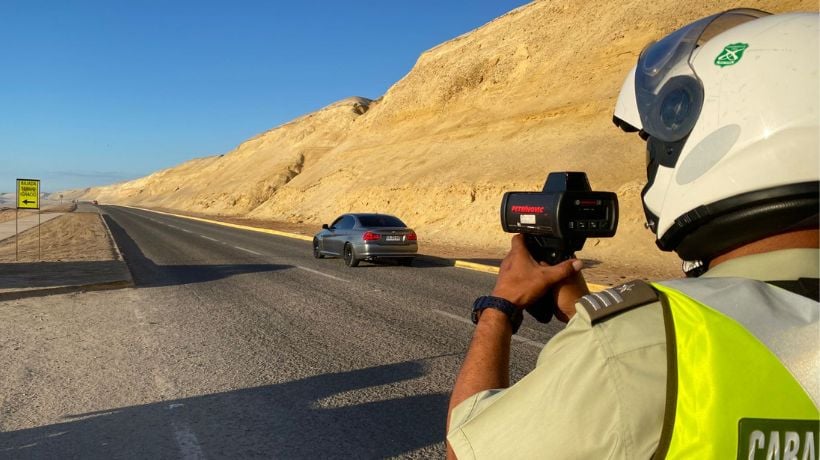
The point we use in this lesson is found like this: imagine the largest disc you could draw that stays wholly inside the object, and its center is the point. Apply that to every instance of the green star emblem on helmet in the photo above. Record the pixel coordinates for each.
(731, 54)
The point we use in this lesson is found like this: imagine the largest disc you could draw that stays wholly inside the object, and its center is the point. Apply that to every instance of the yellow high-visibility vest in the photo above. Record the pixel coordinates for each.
(728, 394)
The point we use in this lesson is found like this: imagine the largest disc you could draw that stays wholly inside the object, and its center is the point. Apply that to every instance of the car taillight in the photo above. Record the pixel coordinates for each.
(412, 236)
(370, 236)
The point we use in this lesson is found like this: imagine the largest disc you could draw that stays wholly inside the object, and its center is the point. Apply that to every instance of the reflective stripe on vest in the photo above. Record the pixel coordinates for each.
(722, 377)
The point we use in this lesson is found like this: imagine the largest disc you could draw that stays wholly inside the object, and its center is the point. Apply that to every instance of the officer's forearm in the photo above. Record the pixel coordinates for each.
(487, 364)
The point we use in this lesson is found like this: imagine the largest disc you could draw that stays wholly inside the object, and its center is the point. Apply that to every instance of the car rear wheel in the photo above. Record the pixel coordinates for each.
(349, 256)
(316, 252)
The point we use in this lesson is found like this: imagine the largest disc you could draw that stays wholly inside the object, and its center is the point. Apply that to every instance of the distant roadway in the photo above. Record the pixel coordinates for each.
(240, 344)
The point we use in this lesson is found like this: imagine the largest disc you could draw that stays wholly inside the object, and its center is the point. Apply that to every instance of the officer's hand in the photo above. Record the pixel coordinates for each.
(566, 293)
(522, 280)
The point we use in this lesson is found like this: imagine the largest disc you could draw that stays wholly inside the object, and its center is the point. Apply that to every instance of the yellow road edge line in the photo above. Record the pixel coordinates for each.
(494, 270)
(476, 267)
(228, 224)
(458, 263)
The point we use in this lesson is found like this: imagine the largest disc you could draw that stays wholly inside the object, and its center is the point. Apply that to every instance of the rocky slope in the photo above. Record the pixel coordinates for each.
(492, 110)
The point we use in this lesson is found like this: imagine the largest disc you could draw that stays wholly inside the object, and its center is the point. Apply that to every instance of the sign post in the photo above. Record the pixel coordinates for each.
(28, 197)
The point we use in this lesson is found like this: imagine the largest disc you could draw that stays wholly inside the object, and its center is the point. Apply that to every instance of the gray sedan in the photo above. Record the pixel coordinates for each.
(357, 237)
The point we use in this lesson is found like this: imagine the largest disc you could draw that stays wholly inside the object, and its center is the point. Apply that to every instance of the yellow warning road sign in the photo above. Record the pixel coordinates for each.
(28, 193)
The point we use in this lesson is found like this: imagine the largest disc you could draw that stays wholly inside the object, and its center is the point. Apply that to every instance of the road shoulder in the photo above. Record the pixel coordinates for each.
(74, 252)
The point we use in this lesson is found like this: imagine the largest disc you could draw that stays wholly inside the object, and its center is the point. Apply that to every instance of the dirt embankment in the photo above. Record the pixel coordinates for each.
(76, 236)
(490, 111)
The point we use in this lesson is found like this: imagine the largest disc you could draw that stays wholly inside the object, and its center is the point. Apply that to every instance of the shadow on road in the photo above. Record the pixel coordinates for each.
(428, 261)
(48, 274)
(287, 420)
(146, 273)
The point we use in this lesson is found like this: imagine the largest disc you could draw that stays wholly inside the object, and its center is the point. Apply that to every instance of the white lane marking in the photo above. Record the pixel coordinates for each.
(186, 231)
(321, 273)
(186, 441)
(209, 238)
(529, 342)
(247, 250)
(185, 438)
(140, 317)
(517, 338)
(455, 317)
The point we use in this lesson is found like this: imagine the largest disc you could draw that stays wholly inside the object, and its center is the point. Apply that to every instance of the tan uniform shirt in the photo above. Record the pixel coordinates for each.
(596, 392)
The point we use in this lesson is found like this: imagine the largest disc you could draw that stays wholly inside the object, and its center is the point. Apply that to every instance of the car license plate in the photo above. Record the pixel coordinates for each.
(393, 238)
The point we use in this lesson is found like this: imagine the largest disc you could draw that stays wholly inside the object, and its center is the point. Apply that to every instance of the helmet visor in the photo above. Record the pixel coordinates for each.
(668, 91)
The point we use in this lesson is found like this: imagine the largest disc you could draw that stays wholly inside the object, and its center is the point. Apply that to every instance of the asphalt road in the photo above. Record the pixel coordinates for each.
(239, 344)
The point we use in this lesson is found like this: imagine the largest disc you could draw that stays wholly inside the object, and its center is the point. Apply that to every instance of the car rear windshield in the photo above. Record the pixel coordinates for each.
(380, 221)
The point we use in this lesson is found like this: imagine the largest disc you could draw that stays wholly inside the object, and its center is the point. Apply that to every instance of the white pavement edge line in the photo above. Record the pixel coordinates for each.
(523, 340)
(186, 440)
(247, 250)
(317, 272)
(208, 238)
(113, 241)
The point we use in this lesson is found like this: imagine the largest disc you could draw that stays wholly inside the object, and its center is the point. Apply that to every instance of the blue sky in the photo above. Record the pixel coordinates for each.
(96, 92)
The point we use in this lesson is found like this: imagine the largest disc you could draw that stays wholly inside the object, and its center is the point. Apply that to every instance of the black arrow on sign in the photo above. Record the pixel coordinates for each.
(27, 202)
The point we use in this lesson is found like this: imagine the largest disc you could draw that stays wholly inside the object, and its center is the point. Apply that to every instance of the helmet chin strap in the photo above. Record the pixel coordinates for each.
(715, 229)
(694, 268)
(710, 231)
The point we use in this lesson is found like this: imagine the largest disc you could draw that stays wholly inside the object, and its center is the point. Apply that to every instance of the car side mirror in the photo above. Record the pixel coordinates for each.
(325, 227)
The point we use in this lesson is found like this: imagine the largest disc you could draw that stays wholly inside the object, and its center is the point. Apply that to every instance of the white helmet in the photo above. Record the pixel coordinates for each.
(728, 106)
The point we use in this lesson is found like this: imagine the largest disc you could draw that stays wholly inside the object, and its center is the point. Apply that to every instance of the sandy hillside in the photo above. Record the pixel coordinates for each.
(490, 111)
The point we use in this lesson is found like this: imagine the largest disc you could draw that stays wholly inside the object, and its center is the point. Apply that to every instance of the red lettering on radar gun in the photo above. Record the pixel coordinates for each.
(527, 209)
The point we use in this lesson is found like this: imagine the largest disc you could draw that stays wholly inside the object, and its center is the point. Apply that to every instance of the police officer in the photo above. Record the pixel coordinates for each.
(723, 364)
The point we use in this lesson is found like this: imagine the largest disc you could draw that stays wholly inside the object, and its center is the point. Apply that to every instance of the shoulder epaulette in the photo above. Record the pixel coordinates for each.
(609, 302)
